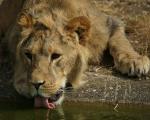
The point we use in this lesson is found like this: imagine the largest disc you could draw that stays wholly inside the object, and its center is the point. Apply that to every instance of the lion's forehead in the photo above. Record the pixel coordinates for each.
(51, 41)
(55, 42)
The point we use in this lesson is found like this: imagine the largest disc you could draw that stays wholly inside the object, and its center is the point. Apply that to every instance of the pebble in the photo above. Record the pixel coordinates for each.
(94, 90)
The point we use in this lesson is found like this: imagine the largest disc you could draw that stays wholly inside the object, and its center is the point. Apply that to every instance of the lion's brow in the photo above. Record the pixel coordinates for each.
(47, 21)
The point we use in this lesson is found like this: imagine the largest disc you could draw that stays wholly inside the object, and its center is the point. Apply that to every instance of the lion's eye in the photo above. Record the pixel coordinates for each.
(55, 56)
(40, 26)
(28, 55)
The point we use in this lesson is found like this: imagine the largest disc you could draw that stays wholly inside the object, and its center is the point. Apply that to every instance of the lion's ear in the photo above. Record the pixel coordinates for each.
(25, 20)
(81, 25)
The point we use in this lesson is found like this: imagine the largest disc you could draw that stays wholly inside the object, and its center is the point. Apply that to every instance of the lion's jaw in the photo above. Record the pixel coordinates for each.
(46, 89)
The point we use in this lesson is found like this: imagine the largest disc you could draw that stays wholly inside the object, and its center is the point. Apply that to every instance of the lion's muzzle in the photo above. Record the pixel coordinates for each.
(38, 84)
(48, 102)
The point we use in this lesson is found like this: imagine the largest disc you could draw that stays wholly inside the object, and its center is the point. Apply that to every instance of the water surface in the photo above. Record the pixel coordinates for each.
(74, 111)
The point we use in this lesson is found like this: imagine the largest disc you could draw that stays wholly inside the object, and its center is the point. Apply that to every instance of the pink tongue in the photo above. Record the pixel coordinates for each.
(43, 102)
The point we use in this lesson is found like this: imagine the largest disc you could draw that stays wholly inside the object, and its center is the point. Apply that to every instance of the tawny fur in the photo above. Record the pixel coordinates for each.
(79, 33)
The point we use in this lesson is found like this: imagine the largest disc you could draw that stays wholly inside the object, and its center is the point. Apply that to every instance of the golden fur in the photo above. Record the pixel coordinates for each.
(55, 40)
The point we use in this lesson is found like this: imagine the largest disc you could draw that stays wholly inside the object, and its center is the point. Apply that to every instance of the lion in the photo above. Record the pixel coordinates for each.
(54, 41)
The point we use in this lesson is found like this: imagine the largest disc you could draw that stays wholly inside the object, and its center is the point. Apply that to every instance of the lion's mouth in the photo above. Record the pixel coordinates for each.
(46, 102)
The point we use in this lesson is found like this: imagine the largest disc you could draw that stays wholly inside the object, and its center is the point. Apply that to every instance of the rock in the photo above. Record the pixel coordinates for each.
(114, 88)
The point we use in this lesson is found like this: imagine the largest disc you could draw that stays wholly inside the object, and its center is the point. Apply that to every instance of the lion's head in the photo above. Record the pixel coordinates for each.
(51, 52)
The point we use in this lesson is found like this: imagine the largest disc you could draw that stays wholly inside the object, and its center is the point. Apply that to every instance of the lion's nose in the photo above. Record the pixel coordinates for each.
(38, 84)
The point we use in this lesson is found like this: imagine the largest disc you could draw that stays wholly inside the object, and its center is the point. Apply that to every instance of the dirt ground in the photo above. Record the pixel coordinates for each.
(107, 84)
(136, 16)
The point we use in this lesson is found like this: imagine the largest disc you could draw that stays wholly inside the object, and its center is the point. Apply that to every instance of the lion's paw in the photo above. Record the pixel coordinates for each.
(133, 66)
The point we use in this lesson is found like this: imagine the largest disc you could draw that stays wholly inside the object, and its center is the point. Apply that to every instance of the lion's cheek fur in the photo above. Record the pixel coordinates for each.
(22, 87)
(80, 65)
(21, 82)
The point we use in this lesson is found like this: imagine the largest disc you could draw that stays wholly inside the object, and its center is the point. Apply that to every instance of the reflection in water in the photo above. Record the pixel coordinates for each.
(75, 111)
(57, 114)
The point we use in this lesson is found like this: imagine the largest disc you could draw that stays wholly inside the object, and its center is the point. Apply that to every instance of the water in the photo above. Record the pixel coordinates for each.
(74, 111)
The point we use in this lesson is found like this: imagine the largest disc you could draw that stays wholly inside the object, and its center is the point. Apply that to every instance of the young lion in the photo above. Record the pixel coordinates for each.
(54, 40)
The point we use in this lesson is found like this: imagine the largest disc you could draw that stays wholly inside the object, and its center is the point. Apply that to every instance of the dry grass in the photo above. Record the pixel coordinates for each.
(136, 15)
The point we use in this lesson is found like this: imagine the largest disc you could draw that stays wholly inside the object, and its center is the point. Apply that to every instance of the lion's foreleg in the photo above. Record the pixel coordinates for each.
(126, 59)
